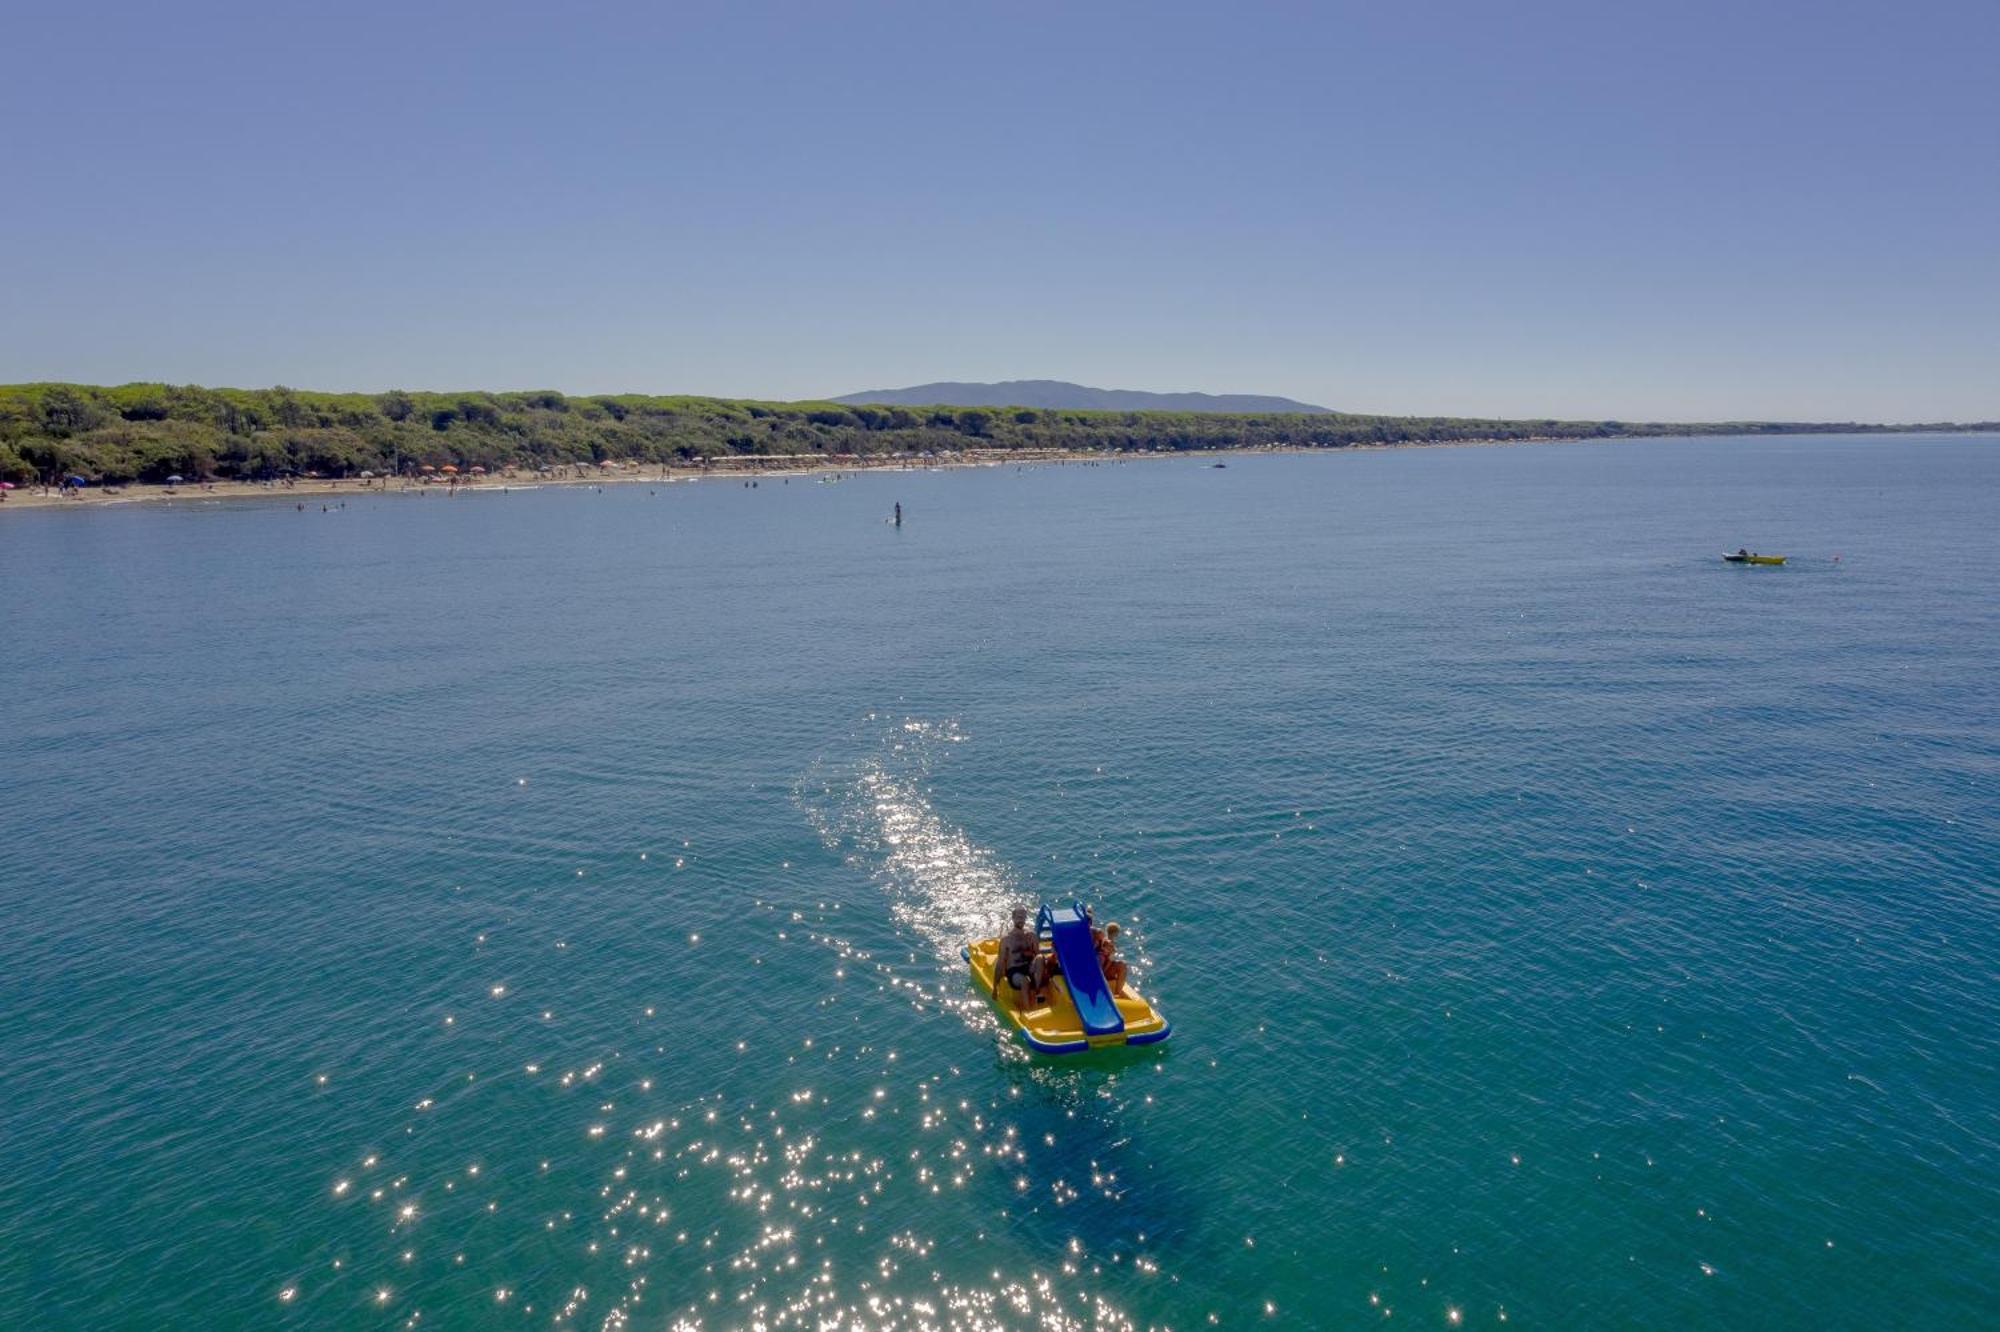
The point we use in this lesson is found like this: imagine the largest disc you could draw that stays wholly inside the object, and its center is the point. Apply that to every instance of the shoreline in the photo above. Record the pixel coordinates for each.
(744, 466)
(747, 467)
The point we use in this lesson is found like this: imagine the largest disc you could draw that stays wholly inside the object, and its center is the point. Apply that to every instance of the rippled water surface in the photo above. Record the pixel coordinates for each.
(542, 909)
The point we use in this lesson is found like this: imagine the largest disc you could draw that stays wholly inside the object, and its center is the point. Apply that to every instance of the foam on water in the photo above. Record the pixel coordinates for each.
(940, 884)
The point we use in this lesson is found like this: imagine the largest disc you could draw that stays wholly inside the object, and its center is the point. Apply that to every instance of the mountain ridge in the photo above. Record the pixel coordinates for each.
(1061, 395)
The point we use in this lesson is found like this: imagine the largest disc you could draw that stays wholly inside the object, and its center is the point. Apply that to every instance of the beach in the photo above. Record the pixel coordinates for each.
(431, 484)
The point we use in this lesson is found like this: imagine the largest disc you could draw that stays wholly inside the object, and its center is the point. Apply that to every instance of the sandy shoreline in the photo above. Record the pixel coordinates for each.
(320, 489)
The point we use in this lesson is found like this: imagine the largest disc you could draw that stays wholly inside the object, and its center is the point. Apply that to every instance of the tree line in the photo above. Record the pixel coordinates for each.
(149, 432)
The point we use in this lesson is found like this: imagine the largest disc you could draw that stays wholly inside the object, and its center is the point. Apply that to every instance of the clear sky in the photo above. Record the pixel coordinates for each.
(1670, 210)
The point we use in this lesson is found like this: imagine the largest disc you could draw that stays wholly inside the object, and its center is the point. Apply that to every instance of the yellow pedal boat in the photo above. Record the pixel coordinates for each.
(1082, 1012)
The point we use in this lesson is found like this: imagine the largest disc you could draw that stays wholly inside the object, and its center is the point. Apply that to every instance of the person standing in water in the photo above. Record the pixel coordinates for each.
(899, 513)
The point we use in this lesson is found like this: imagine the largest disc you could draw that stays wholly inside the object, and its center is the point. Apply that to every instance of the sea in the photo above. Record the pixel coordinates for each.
(542, 908)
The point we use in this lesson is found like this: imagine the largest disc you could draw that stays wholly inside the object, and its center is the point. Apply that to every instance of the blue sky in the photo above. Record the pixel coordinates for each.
(1661, 211)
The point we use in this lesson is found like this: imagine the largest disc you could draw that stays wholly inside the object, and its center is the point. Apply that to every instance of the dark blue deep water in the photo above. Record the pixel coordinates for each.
(541, 909)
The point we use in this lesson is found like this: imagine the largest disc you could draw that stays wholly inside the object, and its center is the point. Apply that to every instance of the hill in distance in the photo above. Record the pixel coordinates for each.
(1055, 394)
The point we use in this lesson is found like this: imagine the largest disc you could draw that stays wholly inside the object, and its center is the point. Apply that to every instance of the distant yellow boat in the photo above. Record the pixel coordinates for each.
(1742, 557)
(1086, 1017)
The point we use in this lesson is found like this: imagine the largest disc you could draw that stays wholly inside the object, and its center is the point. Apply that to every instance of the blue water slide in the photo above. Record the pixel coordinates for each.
(1069, 936)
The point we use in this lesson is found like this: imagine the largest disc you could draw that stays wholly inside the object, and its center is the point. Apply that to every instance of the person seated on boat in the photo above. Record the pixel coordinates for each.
(1044, 970)
(1742, 552)
(1107, 957)
(1015, 959)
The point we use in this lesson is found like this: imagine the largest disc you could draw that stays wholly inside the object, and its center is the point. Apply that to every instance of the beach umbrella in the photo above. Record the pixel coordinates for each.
(74, 480)
(6, 485)
(447, 468)
(366, 475)
(607, 463)
(480, 470)
(175, 479)
(428, 468)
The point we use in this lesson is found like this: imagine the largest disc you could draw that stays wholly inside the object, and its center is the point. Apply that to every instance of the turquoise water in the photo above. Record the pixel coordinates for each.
(541, 909)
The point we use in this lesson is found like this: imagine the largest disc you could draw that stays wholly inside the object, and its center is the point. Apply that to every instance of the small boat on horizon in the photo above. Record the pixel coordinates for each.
(1751, 557)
